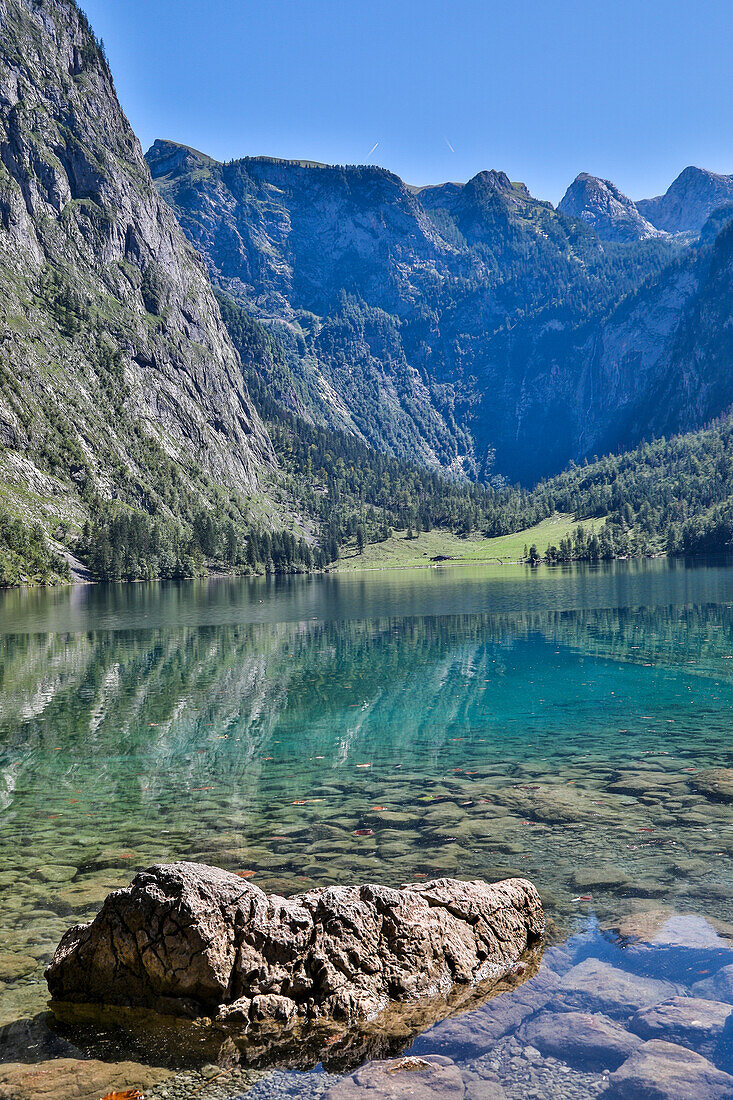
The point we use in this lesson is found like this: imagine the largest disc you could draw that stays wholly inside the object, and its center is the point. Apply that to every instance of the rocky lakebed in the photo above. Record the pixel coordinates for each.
(586, 751)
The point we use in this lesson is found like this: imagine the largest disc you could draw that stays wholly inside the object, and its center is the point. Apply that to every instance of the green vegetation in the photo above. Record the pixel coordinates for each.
(26, 557)
(441, 547)
(671, 496)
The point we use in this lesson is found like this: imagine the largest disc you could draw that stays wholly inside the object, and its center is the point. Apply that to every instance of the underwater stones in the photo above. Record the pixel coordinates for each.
(665, 1071)
(688, 1021)
(718, 986)
(715, 783)
(474, 1033)
(603, 878)
(655, 784)
(56, 872)
(584, 1040)
(645, 888)
(595, 986)
(15, 966)
(188, 939)
(444, 813)
(432, 1077)
(557, 804)
(663, 926)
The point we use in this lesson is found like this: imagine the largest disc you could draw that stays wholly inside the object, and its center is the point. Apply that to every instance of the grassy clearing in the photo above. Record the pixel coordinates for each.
(400, 552)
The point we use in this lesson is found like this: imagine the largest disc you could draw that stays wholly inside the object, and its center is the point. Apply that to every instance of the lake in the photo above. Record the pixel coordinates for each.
(568, 725)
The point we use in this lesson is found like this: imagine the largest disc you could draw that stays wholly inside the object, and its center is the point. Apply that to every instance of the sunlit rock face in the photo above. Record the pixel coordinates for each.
(117, 346)
(187, 939)
(605, 209)
(689, 201)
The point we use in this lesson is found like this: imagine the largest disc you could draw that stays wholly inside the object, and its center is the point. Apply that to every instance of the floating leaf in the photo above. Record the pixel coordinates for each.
(363, 832)
(245, 874)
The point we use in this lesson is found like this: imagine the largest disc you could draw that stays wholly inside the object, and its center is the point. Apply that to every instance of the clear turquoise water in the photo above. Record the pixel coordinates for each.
(549, 723)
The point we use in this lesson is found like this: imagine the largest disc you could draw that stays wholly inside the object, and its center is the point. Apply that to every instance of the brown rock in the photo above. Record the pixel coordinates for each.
(73, 1079)
(188, 939)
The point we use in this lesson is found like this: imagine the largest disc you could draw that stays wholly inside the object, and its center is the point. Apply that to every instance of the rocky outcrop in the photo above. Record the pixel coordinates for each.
(187, 939)
(688, 201)
(605, 209)
(113, 354)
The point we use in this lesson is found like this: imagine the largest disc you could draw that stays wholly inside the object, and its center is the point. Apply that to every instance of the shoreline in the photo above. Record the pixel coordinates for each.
(78, 579)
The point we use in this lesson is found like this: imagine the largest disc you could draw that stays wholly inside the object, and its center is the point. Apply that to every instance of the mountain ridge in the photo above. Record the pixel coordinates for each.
(410, 303)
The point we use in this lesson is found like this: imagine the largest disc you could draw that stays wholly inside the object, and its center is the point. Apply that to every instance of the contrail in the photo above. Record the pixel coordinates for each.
(449, 145)
(376, 143)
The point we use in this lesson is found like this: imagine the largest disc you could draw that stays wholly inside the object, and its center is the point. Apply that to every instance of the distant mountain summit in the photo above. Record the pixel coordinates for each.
(688, 202)
(605, 209)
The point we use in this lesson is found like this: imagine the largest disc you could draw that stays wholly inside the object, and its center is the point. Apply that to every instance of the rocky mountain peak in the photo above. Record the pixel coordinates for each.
(168, 157)
(689, 200)
(496, 181)
(605, 209)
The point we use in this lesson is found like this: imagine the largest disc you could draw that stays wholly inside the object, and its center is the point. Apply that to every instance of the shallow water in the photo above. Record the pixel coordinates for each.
(559, 724)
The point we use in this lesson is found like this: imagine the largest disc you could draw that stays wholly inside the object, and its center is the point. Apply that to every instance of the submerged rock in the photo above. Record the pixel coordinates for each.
(187, 939)
(716, 784)
(595, 986)
(718, 987)
(589, 1041)
(665, 1071)
(688, 1021)
(77, 1078)
(432, 1077)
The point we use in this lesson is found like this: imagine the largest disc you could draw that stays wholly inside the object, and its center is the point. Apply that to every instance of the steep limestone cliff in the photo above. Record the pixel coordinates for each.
(117, 376)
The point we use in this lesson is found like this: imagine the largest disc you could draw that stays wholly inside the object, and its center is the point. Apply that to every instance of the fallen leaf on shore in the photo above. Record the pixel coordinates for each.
(126, 1094)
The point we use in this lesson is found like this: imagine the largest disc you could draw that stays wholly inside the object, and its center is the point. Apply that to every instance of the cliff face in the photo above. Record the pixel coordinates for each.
(688, 202)
(658, 364)
(401, 306)
(601, 206)
(114, 357)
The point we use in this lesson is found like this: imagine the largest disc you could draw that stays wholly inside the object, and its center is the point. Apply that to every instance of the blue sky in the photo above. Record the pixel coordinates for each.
(542, 89)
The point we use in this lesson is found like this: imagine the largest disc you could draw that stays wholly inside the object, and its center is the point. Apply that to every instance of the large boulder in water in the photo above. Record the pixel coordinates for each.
(187, 939)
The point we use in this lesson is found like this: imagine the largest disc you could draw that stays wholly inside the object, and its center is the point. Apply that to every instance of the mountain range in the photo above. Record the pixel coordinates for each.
(183, 338)
(470, 327)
